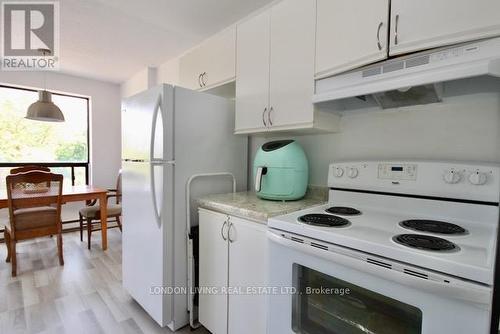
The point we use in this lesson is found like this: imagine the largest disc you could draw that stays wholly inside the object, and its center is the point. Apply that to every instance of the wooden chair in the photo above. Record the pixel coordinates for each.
(34, 210)
(92, 212)
(29, 168)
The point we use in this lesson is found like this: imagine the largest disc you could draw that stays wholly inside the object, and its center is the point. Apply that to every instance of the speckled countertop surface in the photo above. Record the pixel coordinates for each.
(247, 205)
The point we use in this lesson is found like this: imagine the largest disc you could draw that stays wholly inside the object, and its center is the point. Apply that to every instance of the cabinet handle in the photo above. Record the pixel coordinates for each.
(264, 117)
(199, 80)
(229, 232)
(396, 30)
(269, 116)
(203, 79)
(222, 231)
(378, 35)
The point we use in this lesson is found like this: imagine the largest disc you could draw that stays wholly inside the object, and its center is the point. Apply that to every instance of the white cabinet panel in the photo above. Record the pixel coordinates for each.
(247, 269)
(212, 63)
(426, 24)
(293, 24)
(213, 257)
(350, 34)
(275, 71)
(252, 71)
(220, 59)
(191, 66)
(239, 264)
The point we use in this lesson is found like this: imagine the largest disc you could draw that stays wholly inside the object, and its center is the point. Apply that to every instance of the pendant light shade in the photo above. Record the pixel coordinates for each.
(44, 109)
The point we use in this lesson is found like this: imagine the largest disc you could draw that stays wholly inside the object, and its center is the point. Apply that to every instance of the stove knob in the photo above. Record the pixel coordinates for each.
(452, 176)
(352, 172)
(478, 178)
(338, 171)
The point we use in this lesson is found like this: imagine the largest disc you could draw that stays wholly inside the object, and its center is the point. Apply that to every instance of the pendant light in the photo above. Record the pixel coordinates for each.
(44, 109)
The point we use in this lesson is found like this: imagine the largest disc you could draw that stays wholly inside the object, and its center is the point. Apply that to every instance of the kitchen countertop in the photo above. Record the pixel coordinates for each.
(248, 206)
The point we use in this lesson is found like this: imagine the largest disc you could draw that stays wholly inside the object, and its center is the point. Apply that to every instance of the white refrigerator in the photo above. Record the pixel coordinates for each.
(169, 134)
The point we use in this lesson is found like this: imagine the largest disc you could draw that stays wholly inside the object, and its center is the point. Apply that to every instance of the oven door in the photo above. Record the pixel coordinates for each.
(327, 289)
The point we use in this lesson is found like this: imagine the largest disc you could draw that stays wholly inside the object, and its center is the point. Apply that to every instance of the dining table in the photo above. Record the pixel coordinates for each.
(79, 193)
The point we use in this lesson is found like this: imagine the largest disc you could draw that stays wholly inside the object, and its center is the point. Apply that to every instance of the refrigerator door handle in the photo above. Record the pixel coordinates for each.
(153, 129)
(152, 159)
(156, 208)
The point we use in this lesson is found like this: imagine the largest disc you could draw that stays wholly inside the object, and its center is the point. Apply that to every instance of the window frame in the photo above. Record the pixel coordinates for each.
(72, 165)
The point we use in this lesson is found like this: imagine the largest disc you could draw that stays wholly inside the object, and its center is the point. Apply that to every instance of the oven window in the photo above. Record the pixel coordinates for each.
(326, 305)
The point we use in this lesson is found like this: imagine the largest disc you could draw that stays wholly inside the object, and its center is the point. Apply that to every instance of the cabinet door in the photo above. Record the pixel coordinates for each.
(252, 71)
(220, 59)
(191, 67)
(292, 62)
(210, 64)
(247, 269)
(213, 255)
(350, 34)
(426, 24)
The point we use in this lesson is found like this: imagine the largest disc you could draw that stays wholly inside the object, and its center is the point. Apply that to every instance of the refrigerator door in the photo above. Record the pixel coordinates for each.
(147, 246)
(147, 125)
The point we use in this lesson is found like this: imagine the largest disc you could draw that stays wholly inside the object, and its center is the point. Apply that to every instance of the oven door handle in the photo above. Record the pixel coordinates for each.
(455, 289)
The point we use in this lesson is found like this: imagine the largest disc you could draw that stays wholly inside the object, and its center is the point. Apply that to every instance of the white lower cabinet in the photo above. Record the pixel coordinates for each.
(213, 255)
(233, 259)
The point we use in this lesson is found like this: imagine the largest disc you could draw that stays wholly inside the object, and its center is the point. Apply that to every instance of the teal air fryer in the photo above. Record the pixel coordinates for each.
(281, 171)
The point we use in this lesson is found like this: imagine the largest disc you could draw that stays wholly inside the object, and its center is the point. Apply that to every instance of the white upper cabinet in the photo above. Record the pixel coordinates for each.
(351, 34)
(252, 71)
(211, 64)
(293, 24)
(275, 71)
(424, 24)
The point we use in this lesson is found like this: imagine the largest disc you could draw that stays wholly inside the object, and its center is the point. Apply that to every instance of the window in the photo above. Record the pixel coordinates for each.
(64, 147)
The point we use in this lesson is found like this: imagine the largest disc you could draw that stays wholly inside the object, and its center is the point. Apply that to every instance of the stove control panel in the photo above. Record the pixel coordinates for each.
(397, 171)
(460, 180)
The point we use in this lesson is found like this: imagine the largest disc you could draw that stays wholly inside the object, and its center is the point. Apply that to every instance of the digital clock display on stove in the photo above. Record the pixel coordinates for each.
(397, 172)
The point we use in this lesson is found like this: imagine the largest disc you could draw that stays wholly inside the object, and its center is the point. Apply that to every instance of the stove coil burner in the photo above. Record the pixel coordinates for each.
(432, 226)
(425, 242)
(343, 210)
(318, 219)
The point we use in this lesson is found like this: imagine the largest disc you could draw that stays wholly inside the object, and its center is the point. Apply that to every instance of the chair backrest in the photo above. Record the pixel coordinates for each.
(29, 168)
(34, 189)
(119, 187)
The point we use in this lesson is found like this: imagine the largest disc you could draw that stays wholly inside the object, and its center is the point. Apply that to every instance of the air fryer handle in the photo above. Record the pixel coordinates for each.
(258, 177)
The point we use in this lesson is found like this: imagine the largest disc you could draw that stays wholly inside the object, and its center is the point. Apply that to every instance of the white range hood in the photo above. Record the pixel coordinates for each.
(413, 79)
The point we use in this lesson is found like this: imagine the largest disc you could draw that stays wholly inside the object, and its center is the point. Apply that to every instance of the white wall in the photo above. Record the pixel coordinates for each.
(105, 141)
(465, 127)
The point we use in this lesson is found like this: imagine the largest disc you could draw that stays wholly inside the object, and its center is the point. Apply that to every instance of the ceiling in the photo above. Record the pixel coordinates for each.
(111, 40)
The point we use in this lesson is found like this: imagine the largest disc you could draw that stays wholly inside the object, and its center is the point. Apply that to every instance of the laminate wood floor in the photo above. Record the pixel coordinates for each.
(83, 296)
